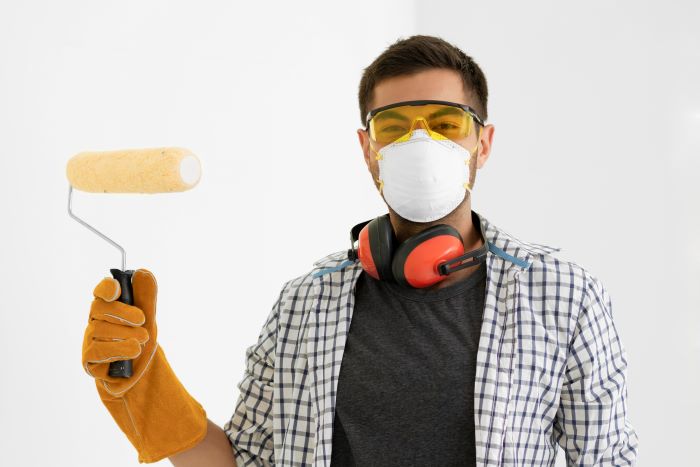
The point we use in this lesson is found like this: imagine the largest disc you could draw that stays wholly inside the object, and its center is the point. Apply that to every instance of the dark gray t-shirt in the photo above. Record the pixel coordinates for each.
(406, 386)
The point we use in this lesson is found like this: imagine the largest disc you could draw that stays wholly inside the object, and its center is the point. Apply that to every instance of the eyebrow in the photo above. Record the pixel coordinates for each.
(387, 114)
(390, 114)
(446, 111)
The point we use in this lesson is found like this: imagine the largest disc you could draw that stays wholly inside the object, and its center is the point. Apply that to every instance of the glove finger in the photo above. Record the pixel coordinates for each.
(107, 351)
(106, 331)
(116, 386)
(116, 312)
(145, 290)
(108, 289)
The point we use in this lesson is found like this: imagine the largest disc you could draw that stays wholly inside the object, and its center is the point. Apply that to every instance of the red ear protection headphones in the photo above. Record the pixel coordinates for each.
(420, 261)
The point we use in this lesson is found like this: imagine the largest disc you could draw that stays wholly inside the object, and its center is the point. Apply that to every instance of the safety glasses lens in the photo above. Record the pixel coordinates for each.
(391, 124)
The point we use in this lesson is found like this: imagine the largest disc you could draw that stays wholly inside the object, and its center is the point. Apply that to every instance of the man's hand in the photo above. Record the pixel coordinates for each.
(152, 407)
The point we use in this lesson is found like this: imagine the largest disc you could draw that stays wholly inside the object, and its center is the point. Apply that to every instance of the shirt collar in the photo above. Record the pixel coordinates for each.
(506, 246)
(515, 252)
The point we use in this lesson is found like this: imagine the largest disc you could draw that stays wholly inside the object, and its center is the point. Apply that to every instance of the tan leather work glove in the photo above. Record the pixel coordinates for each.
(152, 407)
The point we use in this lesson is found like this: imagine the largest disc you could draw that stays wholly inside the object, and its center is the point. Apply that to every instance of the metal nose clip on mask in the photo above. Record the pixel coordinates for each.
(423, 175)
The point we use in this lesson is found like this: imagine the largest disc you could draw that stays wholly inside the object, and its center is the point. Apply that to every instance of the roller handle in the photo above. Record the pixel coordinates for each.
(123, 368)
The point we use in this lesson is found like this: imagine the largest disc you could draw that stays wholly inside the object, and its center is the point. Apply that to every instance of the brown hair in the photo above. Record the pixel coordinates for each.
(419, 53)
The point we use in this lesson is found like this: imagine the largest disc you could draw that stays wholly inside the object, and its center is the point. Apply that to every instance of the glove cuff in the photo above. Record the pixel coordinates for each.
(158, 416)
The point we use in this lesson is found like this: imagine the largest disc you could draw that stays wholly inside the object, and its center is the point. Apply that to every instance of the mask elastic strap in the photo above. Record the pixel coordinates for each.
(471, 154)
(378, 158)
(478, 138)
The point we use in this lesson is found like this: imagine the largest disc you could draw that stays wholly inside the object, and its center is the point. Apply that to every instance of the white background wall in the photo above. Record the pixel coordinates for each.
(596, 113)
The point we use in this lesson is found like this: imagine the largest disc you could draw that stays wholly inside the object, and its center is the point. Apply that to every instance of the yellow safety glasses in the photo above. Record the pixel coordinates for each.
(442, 119)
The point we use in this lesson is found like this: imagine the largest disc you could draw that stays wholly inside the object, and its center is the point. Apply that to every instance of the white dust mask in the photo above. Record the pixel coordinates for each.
(421, 178)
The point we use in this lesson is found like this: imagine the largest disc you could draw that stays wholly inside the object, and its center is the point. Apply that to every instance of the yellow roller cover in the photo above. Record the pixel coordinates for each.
(149, 170)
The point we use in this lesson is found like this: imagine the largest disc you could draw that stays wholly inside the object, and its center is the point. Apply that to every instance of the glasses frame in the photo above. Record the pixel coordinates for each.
(464, 107)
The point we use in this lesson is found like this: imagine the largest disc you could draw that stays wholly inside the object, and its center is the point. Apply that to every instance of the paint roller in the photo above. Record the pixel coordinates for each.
(151, 170)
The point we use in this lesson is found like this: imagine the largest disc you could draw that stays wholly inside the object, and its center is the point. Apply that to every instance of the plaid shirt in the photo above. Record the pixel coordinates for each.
(550, 366)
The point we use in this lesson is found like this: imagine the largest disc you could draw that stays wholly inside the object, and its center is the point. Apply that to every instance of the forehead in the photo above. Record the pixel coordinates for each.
(437, 83)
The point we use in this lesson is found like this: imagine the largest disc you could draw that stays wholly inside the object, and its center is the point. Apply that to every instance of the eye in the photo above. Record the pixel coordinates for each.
(445, 126)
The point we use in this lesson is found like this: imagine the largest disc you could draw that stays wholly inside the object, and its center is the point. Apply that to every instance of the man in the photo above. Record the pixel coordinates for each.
(369, 359)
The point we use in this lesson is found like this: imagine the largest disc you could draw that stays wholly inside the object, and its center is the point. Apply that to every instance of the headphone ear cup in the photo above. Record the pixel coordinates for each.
(416, 259)
(376, 248)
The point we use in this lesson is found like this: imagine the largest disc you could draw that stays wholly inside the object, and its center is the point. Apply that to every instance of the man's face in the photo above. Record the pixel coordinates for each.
(438, 84)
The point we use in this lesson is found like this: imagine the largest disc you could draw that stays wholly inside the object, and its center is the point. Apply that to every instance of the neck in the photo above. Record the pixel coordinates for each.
(460, 219)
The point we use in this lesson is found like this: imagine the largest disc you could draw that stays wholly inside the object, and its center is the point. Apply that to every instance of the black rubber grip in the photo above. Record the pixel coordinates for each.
(123, 368)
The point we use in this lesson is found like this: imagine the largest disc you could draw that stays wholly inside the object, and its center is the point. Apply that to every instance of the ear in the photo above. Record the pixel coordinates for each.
(485, 142)
(364, 143)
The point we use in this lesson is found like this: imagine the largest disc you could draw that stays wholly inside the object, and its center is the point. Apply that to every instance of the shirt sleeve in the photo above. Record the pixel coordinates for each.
(250, 429)
(591, 424)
